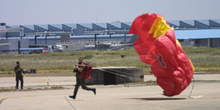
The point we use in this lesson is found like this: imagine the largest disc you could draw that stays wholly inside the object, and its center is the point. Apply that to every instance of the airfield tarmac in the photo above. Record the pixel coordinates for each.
(205, 95)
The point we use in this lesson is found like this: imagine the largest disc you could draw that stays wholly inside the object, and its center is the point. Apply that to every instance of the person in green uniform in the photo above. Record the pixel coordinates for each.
(18, 71)
(79, 80)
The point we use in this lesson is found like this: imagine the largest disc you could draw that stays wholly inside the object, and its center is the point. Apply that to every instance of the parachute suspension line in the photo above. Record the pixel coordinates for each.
(93, 58)
(192, 88)
(115, 73)
(124, 74)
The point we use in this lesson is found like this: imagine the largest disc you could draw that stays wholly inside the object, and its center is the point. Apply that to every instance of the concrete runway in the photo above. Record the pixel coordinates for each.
(205, 95)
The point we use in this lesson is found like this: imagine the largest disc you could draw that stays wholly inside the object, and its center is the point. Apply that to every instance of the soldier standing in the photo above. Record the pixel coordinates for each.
(18, 71)
(80, 81)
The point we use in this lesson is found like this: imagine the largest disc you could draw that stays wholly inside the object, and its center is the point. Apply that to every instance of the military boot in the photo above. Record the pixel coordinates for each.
(73, 97)
(94, 90)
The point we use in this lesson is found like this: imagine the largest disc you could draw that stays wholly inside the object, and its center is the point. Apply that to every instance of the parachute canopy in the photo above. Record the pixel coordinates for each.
(158, 47)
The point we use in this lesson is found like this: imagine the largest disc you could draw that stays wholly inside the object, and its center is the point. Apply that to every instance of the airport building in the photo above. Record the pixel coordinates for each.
(75, 37)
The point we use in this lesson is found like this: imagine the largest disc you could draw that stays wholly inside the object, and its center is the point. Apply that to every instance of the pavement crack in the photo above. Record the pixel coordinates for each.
(70, 104)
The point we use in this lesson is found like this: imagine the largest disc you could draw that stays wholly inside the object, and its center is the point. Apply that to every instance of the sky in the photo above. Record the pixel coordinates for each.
(30, 12)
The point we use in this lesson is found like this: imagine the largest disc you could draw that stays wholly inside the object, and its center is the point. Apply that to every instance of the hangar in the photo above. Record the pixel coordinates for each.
(188, 32)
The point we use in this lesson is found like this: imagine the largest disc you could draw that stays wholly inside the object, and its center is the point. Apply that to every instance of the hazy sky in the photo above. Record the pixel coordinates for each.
(29, 12)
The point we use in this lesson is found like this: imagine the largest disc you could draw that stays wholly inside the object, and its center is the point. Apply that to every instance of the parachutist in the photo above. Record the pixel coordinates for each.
(82, 73)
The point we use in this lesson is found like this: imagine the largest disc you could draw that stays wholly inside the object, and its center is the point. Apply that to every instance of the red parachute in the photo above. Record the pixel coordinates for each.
(86, 74)
(158, 47)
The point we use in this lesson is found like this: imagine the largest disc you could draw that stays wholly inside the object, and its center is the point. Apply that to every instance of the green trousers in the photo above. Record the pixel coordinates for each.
(17, 81)
(80, 82)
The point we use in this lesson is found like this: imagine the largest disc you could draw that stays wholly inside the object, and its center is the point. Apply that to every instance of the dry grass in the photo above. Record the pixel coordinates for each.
(204, 59)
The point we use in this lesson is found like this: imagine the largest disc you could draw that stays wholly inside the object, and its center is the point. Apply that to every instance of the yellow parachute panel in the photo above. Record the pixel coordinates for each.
(159, 27)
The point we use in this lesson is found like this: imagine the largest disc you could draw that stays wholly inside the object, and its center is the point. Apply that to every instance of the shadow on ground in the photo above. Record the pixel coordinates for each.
(157, 99)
